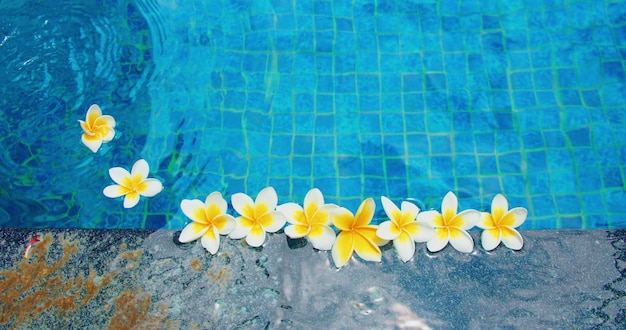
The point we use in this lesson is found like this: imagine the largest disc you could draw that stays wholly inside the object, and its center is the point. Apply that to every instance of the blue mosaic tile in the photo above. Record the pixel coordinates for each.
(568, 204)
(433, 61)
(612, 177)
(569, 97)
(461, 121)
(390, 82)
(522, 97)
(488, 165)
(539, 183)
(349, 143)
(563, 181)
(615, 199)
(465, 165)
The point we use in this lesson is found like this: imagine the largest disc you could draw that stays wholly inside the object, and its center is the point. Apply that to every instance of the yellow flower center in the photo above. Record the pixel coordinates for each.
(134, 184)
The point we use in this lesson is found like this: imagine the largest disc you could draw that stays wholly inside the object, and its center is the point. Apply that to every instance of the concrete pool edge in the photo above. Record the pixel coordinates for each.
(99, 278)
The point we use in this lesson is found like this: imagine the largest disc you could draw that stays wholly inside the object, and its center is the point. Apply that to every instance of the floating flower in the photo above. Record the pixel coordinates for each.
(450, 226)
(356, 234)
(499, 225)
(209, 221)
(257, 217)
(312, 221)
(97, 128)
(403, 229)
(132, 185)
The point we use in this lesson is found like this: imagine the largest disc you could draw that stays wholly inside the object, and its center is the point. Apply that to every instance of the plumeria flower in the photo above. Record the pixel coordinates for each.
(450, 226)
(312, 221)
(356, 234)
(209, 221)
(257, 217)
(499, 226)
(403, 229)
(97, 129)
(132, 185)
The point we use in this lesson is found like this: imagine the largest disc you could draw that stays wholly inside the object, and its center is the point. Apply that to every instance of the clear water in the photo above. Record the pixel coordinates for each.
(407, 99)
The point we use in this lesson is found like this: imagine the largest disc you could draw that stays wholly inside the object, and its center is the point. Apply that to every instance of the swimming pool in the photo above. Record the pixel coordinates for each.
(406, 99)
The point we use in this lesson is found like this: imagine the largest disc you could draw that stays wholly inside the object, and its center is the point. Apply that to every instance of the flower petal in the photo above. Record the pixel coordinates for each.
(465, 220)
(514, 218)
(272, 221)
(323, 216)
(405, 246)
(369, 231)
(241, 229)
(343, 249)
(268, 197)
(118, 175)
(322, 238)
(490, 238)
(151, 187)
(225, 223)
(93, 142)
(486, 221)
(439, 241)
(131, 199)
(296, 231)
(114, 191)
(420, 232)
(409, 212)
(512, 238)
(217, 199)
(194, 210)
(93, 113)
(106, 120)
(392, 211)
(85, 126)
(431, 218)
(366, 248)
(192, 231)
(140, 168)
(256, 236)
(211, 240)
(243, 204)
(365, 213)
(499, 206)
(293, 212)
(107, 134)
(388, 230)
(314, 196)
(343, 219)
(449, 206)
(461, 240)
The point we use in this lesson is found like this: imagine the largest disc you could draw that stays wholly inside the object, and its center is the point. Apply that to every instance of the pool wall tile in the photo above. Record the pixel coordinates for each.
(524, 96)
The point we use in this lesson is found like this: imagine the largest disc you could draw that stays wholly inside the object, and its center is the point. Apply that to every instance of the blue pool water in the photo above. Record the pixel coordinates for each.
(407, 99)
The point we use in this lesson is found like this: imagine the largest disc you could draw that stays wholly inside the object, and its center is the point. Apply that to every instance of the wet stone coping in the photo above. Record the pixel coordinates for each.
(97, 279)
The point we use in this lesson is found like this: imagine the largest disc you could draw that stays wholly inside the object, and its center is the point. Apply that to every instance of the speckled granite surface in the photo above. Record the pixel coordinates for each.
(145, 279)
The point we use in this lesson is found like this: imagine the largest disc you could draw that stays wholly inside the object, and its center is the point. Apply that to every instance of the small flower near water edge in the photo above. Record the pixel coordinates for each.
(97, 128)
(132, 185)
(499, 225)
(256, 217)
(311, 221)
(209, 221)
(356, 234)
(402, 229)
(450, 227)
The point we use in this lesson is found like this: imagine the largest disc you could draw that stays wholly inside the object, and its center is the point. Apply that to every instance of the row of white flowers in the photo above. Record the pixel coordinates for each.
(315, 219)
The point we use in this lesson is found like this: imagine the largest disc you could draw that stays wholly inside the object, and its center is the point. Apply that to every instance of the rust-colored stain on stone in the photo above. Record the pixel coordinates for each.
(132, 311)
(195, 264)
(221, 276)
(131, 257)
(33, 286)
